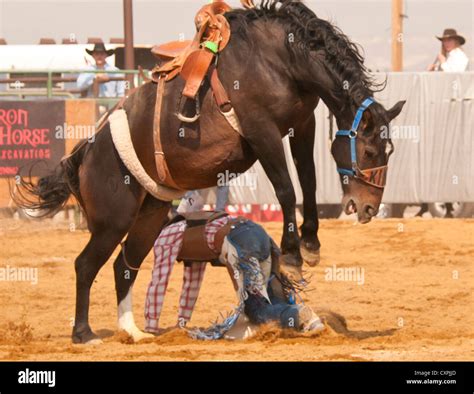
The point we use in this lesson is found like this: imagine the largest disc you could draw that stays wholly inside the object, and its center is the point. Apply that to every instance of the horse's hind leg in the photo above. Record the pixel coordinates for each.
(112, 206)
(140, 240)
(97, 251)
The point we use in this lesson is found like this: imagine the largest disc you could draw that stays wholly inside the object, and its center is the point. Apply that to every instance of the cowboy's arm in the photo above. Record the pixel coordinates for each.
(85, 81)
(456, 62)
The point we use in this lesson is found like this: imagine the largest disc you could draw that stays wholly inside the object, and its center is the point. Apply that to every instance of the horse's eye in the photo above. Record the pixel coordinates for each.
(369, 153)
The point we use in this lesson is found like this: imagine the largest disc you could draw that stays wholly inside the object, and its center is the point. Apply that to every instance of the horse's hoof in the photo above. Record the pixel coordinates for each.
(311, 256)
(85, 337)
(137, 335)
(290, 268)
(140, 335)
(288, 259)
(153, 333)
(94, 342)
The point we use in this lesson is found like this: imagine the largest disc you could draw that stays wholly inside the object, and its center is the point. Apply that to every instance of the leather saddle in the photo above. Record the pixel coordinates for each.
(192, 61)
(207, 20)
(170, 50)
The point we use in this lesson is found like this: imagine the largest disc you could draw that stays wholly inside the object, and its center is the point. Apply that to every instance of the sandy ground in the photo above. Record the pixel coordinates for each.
(415, 302)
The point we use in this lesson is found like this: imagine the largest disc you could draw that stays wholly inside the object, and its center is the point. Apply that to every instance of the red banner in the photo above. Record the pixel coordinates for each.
(28, 141)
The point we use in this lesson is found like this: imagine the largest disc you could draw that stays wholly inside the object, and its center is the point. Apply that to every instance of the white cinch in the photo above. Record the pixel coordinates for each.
(120, 131)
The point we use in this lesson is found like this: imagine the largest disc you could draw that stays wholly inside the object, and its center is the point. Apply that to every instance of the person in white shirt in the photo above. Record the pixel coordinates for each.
(107, 88)
(452, 58)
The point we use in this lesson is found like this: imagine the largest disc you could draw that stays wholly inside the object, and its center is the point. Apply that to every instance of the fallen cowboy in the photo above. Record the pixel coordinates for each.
(265, 290)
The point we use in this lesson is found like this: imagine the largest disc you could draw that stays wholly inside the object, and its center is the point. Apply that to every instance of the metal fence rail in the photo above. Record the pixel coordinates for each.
(51, 77)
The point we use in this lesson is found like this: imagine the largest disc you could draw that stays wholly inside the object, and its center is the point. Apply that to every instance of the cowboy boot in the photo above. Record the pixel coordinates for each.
(301, 318)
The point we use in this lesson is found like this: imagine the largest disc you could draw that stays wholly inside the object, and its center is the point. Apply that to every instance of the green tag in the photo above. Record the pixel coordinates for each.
(212, 46)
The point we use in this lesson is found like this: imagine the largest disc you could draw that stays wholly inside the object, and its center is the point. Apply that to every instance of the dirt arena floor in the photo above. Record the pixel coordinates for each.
(415, 303)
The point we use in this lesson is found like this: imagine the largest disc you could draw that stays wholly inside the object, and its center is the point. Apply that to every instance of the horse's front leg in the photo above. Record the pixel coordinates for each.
(268, 148)
(302, 148)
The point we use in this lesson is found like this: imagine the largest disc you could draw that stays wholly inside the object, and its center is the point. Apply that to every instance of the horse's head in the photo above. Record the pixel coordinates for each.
(361, 155)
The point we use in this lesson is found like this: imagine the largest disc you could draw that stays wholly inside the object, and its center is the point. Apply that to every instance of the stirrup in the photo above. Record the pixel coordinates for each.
(186, 119)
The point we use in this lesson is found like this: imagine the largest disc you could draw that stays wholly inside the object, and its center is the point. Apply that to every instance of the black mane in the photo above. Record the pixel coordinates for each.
(342, 57)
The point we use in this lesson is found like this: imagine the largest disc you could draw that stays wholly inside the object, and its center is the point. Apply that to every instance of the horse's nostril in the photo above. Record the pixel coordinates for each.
(370, 210)
(350, 207)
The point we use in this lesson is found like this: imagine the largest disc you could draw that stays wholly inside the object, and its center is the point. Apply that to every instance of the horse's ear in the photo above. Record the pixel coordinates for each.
(393, 112)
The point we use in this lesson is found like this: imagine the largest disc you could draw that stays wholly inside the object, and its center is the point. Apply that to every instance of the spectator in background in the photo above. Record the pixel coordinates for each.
(452, 58)
(107, 88)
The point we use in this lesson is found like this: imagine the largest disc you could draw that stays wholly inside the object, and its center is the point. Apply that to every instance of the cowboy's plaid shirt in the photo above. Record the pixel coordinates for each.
(166, 249)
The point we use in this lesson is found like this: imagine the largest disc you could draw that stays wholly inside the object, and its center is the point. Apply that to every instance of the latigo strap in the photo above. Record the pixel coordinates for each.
(163, 171)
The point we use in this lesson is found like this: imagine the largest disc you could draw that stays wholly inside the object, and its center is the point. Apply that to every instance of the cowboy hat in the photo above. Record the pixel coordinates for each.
(100, 47)
(452, 33)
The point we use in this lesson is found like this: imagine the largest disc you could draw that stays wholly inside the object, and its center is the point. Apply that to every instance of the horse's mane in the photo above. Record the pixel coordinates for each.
(343, 59)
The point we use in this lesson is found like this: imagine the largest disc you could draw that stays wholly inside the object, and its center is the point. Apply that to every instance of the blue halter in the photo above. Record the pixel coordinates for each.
(352, 134)
(376, 176)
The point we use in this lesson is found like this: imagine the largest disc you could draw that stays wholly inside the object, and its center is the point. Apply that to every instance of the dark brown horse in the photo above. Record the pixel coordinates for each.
(280, 61)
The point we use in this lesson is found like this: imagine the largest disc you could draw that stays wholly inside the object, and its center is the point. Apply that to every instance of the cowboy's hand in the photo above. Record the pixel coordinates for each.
(102, 78)
(441, 58)
(431, 67)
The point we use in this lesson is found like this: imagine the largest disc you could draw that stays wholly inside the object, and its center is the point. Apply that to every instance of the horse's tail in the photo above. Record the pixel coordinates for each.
(51, 192)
